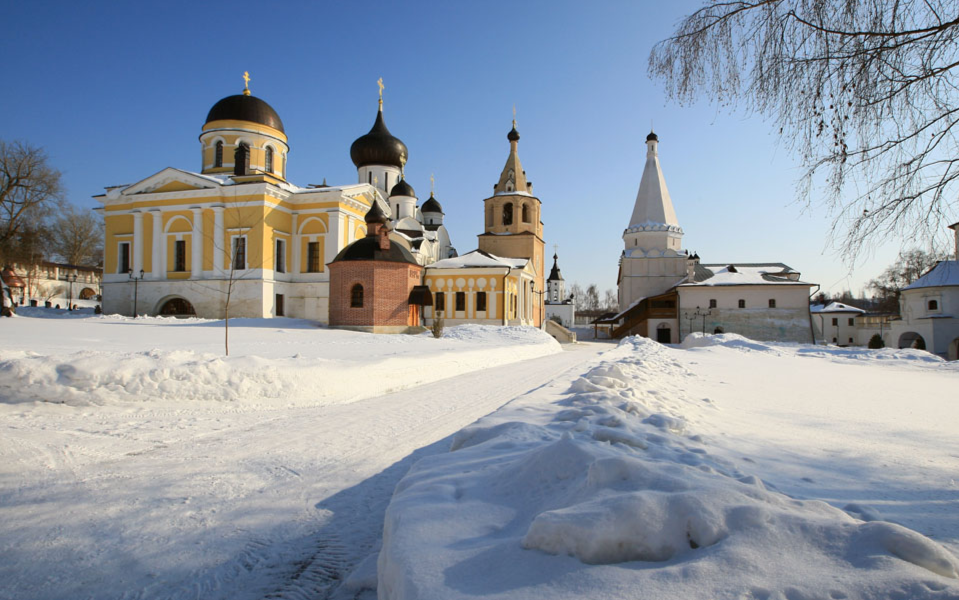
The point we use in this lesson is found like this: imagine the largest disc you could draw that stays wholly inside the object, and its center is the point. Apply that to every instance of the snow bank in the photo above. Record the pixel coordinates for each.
(738, 342)
(605, 492)
(303, 364)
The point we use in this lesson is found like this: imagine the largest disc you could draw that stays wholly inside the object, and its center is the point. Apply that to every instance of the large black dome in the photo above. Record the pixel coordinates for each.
(245, 108)
(378, 147)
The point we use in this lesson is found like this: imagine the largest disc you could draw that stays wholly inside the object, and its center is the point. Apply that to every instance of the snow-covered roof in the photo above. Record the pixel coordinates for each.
(745, 274)
(945, 273)
(835, 307)
(479, 259)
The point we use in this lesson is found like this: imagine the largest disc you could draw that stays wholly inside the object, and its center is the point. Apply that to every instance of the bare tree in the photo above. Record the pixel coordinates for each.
(28, 188)
(865, 91)
(909, 266)
(611, 301)
(592, 297)
(77, 236)
(579, 297)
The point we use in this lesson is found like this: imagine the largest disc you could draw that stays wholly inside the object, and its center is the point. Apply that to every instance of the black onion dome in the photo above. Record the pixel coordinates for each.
(652, 137)
(402, 189)
(245, 108)
(555, 275)
(431, 205)
(378, 147)
(375, 214)
(368, 248)
(513, 135)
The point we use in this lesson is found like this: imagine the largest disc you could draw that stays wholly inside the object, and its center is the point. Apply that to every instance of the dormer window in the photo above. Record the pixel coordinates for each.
(218, 154)
(269, 160)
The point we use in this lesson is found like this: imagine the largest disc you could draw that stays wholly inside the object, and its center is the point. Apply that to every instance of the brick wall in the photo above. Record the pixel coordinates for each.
(386, 292)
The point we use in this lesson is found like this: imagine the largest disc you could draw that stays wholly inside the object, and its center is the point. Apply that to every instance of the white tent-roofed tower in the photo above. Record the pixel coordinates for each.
(652, 261)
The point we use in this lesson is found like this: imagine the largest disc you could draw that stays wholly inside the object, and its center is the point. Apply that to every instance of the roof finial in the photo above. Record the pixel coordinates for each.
(246, 83)
(432, 184)
(514, 116)
(379, 82)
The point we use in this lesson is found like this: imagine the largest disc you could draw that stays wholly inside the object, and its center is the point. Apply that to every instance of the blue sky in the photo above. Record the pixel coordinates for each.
(116, 91)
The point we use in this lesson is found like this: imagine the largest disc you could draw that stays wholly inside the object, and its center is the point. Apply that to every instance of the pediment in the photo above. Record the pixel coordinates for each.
(171, 180)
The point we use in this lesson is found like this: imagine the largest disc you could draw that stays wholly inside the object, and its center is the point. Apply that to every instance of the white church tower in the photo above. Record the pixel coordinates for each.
(652, 260)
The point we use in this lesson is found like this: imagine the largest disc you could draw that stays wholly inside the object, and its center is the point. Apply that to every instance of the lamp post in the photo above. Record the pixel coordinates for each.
(136, 282)
(71, 279)
(699, 313)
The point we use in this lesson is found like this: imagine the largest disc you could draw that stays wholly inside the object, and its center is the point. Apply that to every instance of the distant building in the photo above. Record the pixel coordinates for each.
(929, 308)
(837, 323)
(666, 293)
(559, 306)
(58, 283)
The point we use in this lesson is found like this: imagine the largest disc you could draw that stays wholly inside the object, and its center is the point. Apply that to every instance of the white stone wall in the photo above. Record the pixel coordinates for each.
(938, 327)
(249, 298)
(565, 312)
(844, 332)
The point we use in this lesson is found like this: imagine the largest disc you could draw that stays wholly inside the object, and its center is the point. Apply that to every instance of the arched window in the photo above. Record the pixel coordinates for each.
(218, 154)
(508, 213)
(933, 305)
(526, 213)
(356, 296)
(269, 159)
(742, 304)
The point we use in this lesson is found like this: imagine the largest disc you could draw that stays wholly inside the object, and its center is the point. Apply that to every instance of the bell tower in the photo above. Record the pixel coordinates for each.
(512, 216)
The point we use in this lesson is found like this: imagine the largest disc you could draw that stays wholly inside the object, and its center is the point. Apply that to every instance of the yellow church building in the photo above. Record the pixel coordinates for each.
(181, 243)
(238, 234)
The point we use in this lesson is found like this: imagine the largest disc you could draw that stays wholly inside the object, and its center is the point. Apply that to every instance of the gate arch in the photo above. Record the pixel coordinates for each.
(910, 339)
(176, 307)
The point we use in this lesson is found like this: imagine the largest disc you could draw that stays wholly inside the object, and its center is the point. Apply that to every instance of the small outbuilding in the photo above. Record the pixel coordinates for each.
(375, 283)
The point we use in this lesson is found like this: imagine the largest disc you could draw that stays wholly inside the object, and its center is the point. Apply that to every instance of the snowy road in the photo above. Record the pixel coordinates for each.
(220, 501)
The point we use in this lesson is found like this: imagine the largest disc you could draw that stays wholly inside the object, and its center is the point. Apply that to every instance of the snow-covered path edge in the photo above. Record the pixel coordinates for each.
(597, 484)
(99, 377)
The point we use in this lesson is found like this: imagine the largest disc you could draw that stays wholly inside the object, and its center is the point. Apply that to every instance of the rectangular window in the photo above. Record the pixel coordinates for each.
(712, 304)
(850, 340)
(279, 305)
(772, 303)
(852, 321)
(835, 322)
(123, 261)
(313, 257)
(481, 301)
(280, 256)
(742, 304)
(179, 253)
(239, 253)
(440, 302)
(460, 301)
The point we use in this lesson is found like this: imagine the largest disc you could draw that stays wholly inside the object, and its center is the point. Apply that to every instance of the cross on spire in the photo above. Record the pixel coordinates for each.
(379, 83)
(246, 83)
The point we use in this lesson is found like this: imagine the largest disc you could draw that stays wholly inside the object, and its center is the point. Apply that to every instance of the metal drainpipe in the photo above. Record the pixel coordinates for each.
(812, 327)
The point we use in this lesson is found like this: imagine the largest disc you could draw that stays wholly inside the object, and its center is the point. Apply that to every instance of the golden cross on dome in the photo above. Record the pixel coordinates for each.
(432, 184)
(514, 116)
(246, 83)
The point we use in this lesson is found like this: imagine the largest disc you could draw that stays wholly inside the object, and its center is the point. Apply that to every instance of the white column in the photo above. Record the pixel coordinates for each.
(337, 222)
(137, 242)
(469, 302)
(155, 264)
(218, 250)
(196, 264)
(295, 241)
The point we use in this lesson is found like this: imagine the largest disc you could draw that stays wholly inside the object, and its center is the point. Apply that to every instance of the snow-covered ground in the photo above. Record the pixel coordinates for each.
(725, 469)
(136, 461)
(170, 471)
